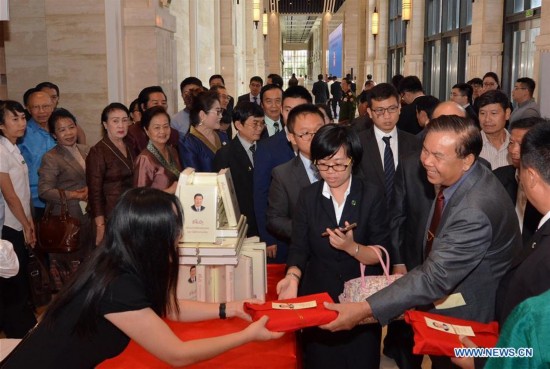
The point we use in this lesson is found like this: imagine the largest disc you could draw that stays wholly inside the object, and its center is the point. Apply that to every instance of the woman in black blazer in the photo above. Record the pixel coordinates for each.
(318, 264)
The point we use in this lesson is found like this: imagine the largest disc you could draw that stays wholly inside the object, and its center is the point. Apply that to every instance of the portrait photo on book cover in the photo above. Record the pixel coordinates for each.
(197, 202)
(192, 274)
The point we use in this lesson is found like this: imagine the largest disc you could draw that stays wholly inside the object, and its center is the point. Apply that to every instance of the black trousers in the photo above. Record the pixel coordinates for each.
(358, 348)
(16, 311)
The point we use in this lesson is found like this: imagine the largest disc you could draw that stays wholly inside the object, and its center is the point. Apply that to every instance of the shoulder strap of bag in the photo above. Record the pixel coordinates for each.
(64, 208)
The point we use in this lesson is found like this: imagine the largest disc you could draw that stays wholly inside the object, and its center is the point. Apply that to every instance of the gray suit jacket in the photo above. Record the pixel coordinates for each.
(287, 181)
(60, 170)
(473, 247)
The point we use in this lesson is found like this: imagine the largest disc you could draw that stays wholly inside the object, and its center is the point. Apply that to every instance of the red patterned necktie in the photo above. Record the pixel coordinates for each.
(436, 217)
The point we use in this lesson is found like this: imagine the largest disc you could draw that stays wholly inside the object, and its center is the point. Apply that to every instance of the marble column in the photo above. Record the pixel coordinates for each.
(381, 45)
(368, 65)
(273, 44)
(414, 52)
(354, 31)
(485, 51)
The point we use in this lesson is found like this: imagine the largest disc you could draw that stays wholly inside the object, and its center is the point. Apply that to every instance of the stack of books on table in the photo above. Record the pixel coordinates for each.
(222, 278)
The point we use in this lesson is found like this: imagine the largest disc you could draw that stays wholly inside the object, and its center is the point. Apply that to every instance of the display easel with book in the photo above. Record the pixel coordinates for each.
(217, 262)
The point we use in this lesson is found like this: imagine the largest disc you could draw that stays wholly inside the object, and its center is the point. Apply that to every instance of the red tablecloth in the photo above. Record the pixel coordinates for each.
(277, 354)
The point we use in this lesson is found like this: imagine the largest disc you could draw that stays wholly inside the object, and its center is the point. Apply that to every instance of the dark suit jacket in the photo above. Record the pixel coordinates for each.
(246, 97)
(320, 91)
(472, 114)
(531, 218)
(288, 179)
(474, 244)
(325, 268)
(410, 212)
(371, 162)
(361, 124)
(528, 275)
(194, 208)
(407, 119)
(270, 153)
(234, 157)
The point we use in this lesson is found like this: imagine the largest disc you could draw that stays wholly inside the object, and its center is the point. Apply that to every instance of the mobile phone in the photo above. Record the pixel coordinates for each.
(342, 229)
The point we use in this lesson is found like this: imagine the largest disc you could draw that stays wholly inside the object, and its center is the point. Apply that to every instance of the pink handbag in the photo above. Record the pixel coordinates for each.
(358, 289)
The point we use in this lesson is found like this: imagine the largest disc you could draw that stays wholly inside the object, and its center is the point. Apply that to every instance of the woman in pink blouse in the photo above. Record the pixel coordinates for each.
(158, 165)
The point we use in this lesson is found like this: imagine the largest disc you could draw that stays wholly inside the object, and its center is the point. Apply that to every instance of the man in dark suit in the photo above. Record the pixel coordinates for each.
(473, 237)
(197, 206)
(383, 102)
(462, 93)
(270, 153)
(508, 175)
(528, 275)
(271, 97)
(289, 178)
(363, 121)
(255, 86)
(320, 90)
(425, 106)
(238, 156)
(336, 92)
(383, 109)
(409, 88)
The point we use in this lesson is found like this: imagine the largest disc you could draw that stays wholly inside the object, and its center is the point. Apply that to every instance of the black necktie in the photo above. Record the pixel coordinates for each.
(253, 151)
(255, 99)
(436, 217)
(276, 126)
(389, 168)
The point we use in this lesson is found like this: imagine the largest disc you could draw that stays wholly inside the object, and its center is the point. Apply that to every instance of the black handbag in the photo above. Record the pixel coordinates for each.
(58, 233)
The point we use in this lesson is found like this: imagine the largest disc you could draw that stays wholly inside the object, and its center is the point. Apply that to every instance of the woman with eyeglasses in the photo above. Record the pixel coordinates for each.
(199, 146)
(322, 264)
(158, 165)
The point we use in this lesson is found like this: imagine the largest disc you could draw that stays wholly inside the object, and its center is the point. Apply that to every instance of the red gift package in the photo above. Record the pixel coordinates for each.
(436, 334)
(293, 314)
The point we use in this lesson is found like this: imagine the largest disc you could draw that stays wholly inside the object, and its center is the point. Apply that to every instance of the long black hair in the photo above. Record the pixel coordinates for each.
(140, 239)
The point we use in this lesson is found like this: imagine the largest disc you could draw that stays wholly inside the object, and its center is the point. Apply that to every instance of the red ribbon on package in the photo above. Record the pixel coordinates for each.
(436, 334)
(293, 314)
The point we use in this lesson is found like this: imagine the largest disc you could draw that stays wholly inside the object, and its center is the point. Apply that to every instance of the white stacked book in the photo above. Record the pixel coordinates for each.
(209, 205)
(226, 282)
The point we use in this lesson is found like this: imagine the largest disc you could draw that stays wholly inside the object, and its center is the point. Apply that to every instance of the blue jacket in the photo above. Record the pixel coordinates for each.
(195, 154)
(34, 144)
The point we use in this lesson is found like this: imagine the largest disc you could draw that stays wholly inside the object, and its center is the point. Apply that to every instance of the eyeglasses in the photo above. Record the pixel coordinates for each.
(335, 167)
(306, 136)
(219, 111)
(41, 108)
(256, 125)
(381, 111)
(488, 84)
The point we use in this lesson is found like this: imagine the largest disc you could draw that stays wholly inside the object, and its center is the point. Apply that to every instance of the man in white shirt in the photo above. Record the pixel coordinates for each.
(494, 111)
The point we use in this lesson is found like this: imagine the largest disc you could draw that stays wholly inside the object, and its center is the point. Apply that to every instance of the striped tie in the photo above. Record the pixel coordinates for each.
(389, 169)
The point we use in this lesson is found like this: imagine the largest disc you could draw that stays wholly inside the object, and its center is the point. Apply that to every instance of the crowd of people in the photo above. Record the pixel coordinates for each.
(455, 190)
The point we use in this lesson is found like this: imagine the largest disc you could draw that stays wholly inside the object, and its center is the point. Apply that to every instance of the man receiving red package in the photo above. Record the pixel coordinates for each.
(469, 245)
(293, 314)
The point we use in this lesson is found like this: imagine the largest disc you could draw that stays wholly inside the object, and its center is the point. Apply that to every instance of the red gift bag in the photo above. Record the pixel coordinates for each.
(293, 314)
(436, 334)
